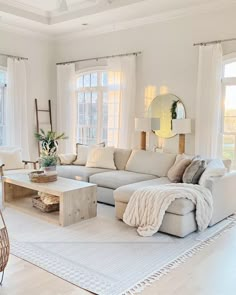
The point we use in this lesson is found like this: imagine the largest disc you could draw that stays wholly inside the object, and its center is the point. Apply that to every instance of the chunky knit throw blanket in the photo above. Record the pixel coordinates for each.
(148, 205)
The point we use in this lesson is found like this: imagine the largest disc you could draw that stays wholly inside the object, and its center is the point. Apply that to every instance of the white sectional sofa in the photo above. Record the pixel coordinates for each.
(136, 169)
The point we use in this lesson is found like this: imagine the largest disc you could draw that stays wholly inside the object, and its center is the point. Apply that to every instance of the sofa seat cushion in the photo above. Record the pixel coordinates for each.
(71, 171)
(179, 206)
(115, 179)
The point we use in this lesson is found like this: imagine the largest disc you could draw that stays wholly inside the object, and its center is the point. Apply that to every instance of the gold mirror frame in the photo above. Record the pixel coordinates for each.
(166, 107)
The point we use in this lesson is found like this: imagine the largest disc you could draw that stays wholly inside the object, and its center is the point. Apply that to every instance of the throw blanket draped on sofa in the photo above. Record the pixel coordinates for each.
(148, 205)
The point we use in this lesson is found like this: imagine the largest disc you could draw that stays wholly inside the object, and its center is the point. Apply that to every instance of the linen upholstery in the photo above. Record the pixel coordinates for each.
(11, 157)
(194, 171)
(177, 225)
(82, 152)
(150, 162)
(71, 171)
(179, 206)
(115, 179)
(121, 157)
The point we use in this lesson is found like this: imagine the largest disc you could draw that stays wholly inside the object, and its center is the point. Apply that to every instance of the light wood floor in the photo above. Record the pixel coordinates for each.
(210, 272)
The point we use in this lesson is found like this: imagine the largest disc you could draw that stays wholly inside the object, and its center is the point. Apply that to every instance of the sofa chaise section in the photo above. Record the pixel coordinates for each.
(107, 182)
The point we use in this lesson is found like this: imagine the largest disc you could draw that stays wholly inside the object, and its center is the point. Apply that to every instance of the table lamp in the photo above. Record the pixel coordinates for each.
(181, 127)
(146, 125)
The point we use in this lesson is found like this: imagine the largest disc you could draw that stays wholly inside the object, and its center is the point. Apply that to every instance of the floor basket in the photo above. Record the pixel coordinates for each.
(4, 247)
(37, 203)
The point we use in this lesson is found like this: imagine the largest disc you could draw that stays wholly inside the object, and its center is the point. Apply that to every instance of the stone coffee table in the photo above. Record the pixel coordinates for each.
(78, 200)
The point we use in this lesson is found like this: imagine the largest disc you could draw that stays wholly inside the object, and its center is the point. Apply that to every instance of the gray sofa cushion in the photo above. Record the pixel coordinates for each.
(179, 206)
(70, 171)
(121, 157)
(150, 162)
(115, 179)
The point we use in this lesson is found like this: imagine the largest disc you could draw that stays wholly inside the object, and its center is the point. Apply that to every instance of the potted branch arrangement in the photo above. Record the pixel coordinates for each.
(49, 153)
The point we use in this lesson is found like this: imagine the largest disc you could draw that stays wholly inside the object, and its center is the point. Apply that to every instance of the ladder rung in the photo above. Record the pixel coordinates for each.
(43, 111)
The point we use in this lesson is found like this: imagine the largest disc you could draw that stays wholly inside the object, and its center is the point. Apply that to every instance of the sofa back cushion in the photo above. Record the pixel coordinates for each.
(121, 157)
(194, 171)
(82, 152)
(150, 162)
(101, 157)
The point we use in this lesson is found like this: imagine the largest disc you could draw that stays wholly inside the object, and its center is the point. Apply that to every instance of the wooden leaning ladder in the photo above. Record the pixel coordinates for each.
(49, 111)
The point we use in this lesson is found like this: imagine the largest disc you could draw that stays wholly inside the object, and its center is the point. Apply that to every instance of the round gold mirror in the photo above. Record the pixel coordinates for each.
(166, 107)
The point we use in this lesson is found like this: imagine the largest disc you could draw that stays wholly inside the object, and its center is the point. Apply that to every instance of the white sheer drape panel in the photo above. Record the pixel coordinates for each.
(17, 125)
(208, 105)
(66, 106)
(122, 87)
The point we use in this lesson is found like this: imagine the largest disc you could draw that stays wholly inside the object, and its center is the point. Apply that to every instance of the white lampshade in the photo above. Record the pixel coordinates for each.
(181, 126)
(147, 124)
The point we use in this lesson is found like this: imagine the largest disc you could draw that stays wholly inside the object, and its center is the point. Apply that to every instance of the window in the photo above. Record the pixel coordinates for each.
(2, 106)
(97, 107)
(229, 115)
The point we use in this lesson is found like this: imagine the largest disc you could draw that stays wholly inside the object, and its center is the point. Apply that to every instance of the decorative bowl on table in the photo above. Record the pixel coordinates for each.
(40, 177)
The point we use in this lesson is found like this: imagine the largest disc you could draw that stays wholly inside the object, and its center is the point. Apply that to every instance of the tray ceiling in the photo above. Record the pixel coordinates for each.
(64, 18)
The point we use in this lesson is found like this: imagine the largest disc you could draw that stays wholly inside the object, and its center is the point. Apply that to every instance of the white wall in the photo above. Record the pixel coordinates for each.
(41, 75)
(169, 58)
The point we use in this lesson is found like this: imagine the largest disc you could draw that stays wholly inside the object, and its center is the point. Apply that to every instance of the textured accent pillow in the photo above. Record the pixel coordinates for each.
(176, 172)
(101, 157)
(150, 162)
(11, 158)
(67, 159)
(121, 157)
(214, 168)
(194, 171)
(82, 152)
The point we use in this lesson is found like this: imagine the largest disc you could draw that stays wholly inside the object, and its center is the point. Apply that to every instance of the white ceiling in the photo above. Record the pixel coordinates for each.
(44, 18)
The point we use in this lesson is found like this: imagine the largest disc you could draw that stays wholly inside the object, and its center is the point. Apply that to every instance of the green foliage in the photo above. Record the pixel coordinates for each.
(49, 140)
(47, 161)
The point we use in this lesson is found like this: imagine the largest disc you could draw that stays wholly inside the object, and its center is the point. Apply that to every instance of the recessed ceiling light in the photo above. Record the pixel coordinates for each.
(85, 24)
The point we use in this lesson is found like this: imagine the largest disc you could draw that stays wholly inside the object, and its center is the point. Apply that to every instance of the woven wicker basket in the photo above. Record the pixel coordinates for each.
(40, 177)
(4, 247)
(47, 208)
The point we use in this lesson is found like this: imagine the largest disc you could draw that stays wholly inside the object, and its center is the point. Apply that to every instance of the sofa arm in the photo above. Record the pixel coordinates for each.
(30, 162)
(1, 170)
(224, 196)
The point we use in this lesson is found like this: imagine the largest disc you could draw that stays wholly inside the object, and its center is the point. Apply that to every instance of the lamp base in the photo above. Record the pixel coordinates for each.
(181, 143)
(143, 140)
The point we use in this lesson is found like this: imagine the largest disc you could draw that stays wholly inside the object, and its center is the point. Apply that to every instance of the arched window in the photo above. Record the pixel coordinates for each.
(97, 107)
(229, 109)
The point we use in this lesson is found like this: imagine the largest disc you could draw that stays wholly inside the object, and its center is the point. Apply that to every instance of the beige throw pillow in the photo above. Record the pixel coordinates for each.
(194, 171)
(101, 157)
(175, 174)
(82, 153)
(215, 168)
(67, 159)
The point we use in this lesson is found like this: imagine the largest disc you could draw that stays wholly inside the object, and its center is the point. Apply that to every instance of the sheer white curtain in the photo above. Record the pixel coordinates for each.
(66, 106)
(17, 125)
(122, 82)
(208, 106)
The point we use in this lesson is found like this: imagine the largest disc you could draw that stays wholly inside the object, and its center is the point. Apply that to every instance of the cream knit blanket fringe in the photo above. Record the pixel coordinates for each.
(147, 206)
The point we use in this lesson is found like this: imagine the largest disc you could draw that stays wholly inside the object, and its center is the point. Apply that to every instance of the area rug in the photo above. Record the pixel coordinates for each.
(103, 255)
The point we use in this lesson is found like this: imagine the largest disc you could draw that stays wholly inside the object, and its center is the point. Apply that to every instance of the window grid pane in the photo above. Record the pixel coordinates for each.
(97, 108)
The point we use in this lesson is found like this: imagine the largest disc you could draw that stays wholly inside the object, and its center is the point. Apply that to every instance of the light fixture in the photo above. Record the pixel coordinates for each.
(145, 125)
(181, 127)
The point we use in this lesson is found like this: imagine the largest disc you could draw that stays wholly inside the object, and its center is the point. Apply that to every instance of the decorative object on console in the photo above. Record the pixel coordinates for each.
(181, 127)
(146, 125)
(4, 247)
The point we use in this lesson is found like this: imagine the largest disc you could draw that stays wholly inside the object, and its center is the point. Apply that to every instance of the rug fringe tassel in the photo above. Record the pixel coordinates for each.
(156, 276)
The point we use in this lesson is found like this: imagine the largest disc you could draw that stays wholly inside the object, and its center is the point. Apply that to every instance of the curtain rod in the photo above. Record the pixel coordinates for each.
(13, 56)
(97, 58)
(214, 42)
